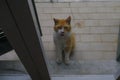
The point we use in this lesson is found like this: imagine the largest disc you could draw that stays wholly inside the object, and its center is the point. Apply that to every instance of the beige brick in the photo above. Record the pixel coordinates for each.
(61, 5)
(97, 16)
(113, 16)
(66, 10)
(109, 55)
(47, 30)
(50, 55)
(74, 10)
(81, 30)
(109, 22)
(84, 55)
(103, 16)
(109, 37)
(81, 4)
(82, 46)
(117, 9)
(94, 4)
(105, 9)
(39, 9)
(49, 46)
(52, 10)
(44, 16)
(42, 1)
(96, 39)
(46, 22)
(61, 16)
(43, 5)
(114, 29)
(57, 10)
(103, 46)
(90, 38)
(87, 10)
(48, 38)
(112, 3)
(92, 23)
(80, 16)
(78, 24)
(100, 30)
(77, 38)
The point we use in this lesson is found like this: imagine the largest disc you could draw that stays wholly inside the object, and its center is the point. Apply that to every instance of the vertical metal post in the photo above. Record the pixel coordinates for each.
(18, 24)
(51, 1)
(118, 47)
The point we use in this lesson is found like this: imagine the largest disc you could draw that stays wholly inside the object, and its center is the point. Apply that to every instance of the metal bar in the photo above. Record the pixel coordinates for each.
(9, 26)
(118, 47)
(51, 1)
(27, 24)
(1, 33)
(37, 17)
(2, 37)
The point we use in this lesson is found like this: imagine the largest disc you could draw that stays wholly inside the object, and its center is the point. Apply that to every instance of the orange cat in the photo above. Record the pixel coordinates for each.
(64, 39)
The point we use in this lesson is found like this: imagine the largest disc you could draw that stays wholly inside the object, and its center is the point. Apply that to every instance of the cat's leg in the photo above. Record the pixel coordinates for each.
(58, 54)
(67, 54)
(58, 50)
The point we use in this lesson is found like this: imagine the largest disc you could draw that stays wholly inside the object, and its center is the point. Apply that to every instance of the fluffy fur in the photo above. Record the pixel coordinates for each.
(64, 39)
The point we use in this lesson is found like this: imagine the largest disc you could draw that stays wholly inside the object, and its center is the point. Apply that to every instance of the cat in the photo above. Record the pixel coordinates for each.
(64, 39)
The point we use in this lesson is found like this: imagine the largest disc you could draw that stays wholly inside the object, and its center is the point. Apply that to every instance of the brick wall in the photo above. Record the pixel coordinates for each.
(95, 24)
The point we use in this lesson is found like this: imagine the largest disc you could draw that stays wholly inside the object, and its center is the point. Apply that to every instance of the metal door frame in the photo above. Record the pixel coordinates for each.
(17, 22)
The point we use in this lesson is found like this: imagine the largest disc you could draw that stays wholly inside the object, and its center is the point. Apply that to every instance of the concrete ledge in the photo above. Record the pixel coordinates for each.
(86, 77)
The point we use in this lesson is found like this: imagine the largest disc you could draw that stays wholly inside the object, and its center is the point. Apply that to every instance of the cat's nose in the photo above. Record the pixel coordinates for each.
(62, 32)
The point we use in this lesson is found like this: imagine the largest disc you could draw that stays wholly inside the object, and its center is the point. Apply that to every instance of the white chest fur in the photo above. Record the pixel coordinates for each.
(60, 44)
(60, 41)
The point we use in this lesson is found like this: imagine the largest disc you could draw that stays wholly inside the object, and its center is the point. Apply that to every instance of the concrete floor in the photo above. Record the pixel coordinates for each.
(85, 77)
(84, 68)
(77, 70)
(9, 56)
(13, 70)
(76, 67)
(15, 77)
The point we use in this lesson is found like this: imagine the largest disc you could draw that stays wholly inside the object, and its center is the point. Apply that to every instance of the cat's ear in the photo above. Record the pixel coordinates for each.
(55, 21)
(68, 19)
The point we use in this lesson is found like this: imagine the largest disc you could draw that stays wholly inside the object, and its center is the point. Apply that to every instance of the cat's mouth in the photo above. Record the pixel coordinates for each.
(62, 34)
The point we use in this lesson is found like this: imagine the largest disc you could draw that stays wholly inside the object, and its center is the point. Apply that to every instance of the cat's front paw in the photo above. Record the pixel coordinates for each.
(58, 61)
(67, 62)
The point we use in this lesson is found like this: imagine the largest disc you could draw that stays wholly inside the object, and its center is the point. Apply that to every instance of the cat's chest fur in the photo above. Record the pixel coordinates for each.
(61, 41)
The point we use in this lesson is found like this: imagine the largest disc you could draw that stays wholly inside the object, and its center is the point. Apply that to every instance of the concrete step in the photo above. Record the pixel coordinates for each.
(84, 68)
(11, 68)
(15, 77)
(77, 70)
(85, 77)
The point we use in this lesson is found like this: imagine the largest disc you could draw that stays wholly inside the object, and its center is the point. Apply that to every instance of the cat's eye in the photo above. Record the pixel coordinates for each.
(59, 27)
(65, 27)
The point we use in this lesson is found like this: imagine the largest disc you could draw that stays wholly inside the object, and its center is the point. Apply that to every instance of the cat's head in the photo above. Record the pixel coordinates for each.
(62, 26)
